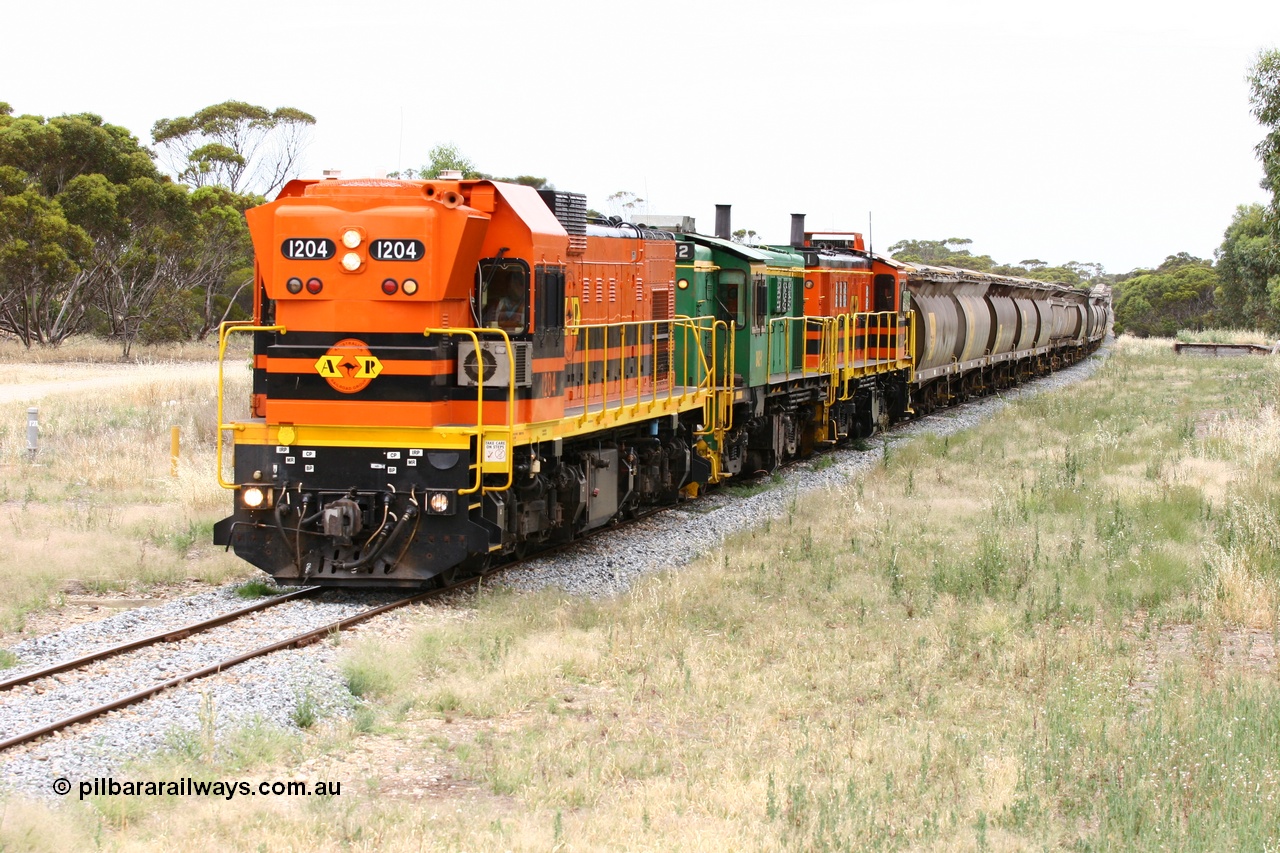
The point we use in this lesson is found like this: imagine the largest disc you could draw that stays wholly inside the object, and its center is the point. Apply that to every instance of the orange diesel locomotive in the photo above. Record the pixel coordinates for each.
(444, 372)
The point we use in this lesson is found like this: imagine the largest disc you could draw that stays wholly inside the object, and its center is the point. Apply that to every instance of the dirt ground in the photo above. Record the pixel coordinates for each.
(34, 382)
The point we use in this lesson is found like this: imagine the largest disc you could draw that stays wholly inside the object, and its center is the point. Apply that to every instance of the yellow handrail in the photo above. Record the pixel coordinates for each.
(731, 371)
(224, 335)
(717, 411)
(687, 325)
(479, 432)
(787, 323)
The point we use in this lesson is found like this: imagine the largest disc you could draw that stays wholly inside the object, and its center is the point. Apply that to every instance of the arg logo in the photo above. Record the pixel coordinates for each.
(348, 366)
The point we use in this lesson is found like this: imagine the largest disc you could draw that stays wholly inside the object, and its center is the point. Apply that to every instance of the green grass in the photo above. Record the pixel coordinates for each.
(258, 588)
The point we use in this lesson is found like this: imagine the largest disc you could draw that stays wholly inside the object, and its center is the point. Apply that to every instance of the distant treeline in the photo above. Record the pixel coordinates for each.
(96, 237)
(1178, 294)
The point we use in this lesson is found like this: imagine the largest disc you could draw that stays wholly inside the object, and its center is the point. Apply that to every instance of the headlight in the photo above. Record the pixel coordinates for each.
(255, 497)
(351, 238)
(440, 503)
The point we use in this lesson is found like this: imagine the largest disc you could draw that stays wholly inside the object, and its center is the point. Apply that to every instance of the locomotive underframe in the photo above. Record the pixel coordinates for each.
(791, 419)
(364, 521)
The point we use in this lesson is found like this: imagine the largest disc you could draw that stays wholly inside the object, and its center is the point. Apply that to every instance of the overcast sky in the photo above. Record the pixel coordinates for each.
(1097, 130)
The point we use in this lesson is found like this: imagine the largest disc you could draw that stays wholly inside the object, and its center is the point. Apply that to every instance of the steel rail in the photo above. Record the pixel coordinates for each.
(162, 637)
(298, 641)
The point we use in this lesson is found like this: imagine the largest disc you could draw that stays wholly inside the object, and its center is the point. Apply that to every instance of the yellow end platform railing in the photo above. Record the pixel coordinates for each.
(225, 331)
(625, 396)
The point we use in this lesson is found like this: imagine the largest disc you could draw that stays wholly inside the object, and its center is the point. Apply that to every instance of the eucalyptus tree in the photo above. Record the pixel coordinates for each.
(1249, 257)
(1178, 294)
(243, 147)
(944, 253)
(43, 257)
(59, 248)
(1246, 267)
(1264, 103)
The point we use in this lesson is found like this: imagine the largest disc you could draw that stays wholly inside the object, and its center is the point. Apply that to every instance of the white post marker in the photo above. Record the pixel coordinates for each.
(33, 431)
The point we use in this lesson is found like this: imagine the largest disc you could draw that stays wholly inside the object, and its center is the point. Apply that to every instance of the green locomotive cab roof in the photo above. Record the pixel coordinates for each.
(746, 253)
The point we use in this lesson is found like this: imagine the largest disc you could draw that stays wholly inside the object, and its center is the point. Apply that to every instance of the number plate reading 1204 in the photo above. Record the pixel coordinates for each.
(308, 249)
(396, 250)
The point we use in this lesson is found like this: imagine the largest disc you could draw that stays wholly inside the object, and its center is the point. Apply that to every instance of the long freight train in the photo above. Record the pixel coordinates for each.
(451, 372)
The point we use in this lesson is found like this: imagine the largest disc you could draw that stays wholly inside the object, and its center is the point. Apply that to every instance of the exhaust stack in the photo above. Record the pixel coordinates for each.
(722, 222)
(797, 230)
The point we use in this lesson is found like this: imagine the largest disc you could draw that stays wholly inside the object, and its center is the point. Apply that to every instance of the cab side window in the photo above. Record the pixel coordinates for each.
(504, 295)
(761, 315)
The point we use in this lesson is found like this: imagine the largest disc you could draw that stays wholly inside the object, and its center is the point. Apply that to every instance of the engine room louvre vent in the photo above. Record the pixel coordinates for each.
(524, 364)
(570, 210)
(662, 308)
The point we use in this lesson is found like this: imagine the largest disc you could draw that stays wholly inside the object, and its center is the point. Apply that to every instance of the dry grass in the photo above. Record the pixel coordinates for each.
(1228, 336)
(859, 673)
(89, 350)
(98, 506)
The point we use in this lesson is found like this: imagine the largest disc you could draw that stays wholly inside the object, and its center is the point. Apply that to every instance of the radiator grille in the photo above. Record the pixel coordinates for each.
(662, 310)
(490, 366)
(570, 210)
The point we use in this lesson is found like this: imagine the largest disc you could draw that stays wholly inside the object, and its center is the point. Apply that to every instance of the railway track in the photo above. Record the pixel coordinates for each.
(160, 637)
(297, 640)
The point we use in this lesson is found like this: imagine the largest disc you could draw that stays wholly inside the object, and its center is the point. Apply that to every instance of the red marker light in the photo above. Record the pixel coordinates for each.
(390, 286)
(314, 285)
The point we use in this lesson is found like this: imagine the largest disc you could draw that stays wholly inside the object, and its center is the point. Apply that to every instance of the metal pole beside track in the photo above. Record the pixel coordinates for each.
(33, 431)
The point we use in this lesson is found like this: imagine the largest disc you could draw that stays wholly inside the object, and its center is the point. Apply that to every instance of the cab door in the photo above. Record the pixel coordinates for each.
(730, 289)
